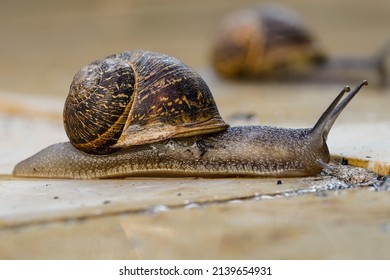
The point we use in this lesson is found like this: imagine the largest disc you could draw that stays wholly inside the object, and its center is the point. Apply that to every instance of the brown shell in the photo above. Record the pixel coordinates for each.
(137, 97)
(261, 40)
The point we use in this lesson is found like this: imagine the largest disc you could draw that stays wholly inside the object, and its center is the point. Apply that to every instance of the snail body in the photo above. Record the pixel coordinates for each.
(238, 151)
(209, 148)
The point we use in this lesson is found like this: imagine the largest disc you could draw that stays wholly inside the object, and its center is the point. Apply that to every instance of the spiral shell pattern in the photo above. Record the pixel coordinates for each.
(137, 97)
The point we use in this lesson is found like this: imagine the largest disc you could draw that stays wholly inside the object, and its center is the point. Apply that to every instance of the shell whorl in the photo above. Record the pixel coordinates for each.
(157, 97)
(99, 99)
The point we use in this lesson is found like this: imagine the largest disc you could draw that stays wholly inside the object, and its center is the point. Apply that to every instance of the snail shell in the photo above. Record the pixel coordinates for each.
(135, 98)
(264, 40)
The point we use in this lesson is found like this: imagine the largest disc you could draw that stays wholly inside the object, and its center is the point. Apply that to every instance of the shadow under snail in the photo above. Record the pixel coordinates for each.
(271, 42)
(140, 113)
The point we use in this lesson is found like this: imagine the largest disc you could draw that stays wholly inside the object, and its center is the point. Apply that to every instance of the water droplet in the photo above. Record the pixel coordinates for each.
(192, 205)
(157, 209)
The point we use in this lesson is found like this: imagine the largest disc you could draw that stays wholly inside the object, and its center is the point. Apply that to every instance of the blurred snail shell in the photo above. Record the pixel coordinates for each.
(263, 40)
(271, 42)
(193, 141)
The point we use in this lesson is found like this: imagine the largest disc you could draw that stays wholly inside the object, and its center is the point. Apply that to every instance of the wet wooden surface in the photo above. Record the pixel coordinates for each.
(346, 225)
(150, 218)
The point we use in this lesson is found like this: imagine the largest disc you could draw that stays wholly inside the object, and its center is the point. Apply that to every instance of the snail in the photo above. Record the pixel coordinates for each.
(140, 113)
(271, 42)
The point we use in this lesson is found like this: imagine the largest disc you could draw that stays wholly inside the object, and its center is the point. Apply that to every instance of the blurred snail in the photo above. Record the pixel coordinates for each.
(271, 42)
(140, 113)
